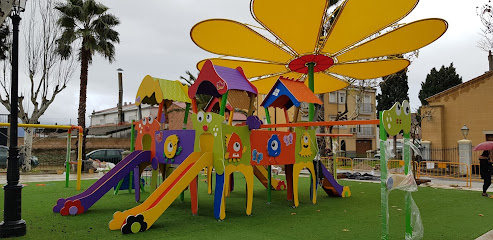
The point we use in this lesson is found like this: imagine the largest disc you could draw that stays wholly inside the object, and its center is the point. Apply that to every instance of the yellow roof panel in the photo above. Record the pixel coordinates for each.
(296, 23)
(370, 69)
(231, 38)
(154, 90)
(402, 40)
(251, 69)
(359, 19)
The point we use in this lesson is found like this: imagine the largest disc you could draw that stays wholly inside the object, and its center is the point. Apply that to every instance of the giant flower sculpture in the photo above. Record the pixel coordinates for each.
(355, 45)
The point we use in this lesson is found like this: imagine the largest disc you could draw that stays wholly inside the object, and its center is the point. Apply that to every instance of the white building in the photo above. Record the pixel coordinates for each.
(110, 116)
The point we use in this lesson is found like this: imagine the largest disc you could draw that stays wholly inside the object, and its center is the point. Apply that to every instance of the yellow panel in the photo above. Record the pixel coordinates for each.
(402, 40)
(251, 69)
(326, 83)
(297, 23)
(149, 87)
(264, 85)
(369, 70)
(227, 37)
(361, 18)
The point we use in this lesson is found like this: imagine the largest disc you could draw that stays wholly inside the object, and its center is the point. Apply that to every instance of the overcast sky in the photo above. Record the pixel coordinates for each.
(155, 40)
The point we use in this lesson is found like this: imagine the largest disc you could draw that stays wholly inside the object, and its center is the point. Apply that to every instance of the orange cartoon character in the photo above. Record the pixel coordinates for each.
(146, 134)
(235, 148)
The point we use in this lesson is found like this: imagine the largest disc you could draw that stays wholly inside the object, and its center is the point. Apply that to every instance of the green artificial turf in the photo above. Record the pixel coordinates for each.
(446, 214)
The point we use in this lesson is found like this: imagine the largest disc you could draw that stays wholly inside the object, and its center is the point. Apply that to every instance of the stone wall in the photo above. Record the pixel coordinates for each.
(92, 143)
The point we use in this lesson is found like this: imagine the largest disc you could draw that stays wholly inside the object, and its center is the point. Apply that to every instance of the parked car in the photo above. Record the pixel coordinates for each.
(106, 155)
(4, 154)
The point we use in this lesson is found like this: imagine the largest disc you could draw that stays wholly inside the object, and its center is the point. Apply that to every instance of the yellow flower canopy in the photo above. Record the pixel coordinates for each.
(354, 45)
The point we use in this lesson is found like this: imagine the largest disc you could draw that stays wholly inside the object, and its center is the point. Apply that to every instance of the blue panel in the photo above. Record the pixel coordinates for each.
(218, 195)
(277, 91)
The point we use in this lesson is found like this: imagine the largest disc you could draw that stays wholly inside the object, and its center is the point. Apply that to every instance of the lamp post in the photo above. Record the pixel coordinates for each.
(120, 95)
(465, 131)
(13, 225)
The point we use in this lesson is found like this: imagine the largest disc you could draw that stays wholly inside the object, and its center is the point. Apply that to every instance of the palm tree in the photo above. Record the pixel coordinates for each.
(86, 22)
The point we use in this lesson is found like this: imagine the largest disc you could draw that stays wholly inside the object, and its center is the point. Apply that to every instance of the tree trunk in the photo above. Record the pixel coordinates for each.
(83, 94)
(27, 149)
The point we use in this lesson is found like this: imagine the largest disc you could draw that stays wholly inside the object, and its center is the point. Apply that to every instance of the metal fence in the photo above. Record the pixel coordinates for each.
(451, 170)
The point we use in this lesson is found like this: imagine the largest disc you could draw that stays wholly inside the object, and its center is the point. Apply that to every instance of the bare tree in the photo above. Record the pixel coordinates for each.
(48, 74)
(485, 13)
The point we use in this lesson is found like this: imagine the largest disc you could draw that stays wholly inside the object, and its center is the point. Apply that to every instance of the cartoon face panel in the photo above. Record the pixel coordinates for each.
(397, 118)
(171, 146)
(306, 145)
(208, 136)
(236, 144)
(146, 129)
(305, 142)
(274, 146)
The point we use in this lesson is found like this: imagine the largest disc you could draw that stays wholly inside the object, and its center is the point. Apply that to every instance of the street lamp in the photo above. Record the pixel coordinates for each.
(13, 225)
(464, 131)
(120, 96)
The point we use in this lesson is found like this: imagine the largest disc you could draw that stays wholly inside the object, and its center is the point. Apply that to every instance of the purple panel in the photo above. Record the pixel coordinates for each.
(234, 79)
(185, 145)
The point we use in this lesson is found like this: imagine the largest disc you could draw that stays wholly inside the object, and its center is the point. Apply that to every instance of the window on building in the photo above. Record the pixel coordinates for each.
(333, 97)
(342, 97)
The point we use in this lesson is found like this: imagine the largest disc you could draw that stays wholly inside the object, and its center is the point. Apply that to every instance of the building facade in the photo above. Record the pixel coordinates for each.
(467, 104)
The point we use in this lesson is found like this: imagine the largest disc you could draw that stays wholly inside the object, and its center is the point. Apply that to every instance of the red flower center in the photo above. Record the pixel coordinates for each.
(300, 64)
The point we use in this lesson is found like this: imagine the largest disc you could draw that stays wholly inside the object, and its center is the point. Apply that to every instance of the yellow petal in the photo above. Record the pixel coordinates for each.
(325, 83)
(370, 69)
(359, 19)
(296, 23)
(264, 85)
(251, 69)
(227, 37)
(402, 40)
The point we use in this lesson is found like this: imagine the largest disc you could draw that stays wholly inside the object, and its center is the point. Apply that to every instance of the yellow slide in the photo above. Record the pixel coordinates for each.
(262, 175)
(140, 218)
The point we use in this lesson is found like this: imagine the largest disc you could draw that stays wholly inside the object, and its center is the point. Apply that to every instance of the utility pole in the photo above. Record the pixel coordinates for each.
(120, 96)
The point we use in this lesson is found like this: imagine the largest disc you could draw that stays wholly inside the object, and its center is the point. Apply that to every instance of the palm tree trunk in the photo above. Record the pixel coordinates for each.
(83, 95)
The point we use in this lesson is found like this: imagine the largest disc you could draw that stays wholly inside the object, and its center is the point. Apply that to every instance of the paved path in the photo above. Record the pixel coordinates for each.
(26, 178)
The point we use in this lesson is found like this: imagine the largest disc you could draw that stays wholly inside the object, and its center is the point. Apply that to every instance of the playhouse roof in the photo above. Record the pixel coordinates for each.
(154, 90)
(216, 80)
(288, 92)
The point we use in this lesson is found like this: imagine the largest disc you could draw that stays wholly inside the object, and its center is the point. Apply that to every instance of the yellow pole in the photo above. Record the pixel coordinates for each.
(38, 126)
(231, 113)
(79, 159)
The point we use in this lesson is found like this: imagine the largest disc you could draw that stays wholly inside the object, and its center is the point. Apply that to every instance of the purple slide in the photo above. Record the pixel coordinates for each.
(81, 202)
(329, 184)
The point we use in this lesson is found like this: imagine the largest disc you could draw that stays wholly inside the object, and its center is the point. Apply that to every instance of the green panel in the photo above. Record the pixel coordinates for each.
(307, 153)
(210, 124)
(244, 133)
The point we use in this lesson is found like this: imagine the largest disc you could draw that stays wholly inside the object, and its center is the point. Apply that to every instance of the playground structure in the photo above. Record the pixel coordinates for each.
(69, 134)
(281, 72)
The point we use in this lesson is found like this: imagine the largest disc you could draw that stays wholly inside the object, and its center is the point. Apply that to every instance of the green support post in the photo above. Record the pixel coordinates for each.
(185, 119)
(311, 85)
(269, 167)
(224, 100)
(383, 179)
(67, 161)
(407, 159)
